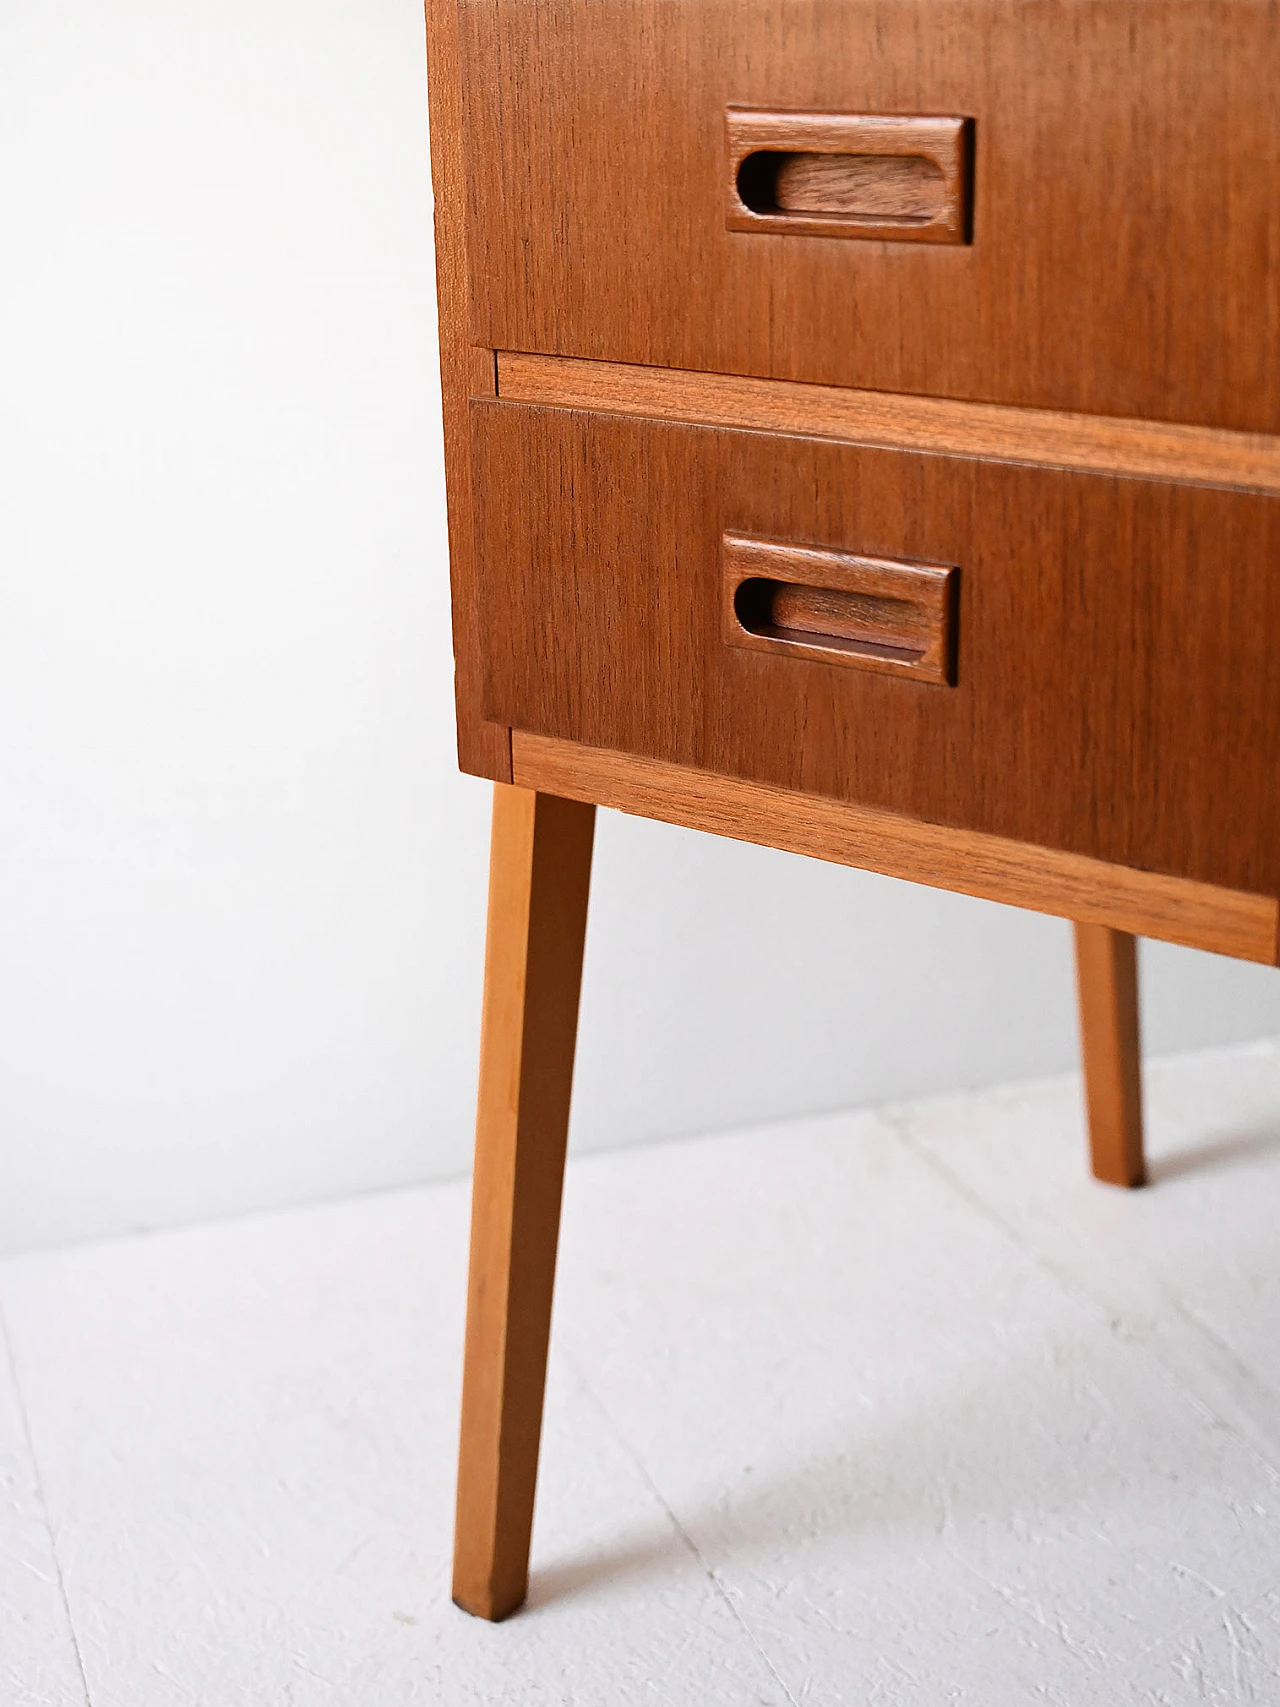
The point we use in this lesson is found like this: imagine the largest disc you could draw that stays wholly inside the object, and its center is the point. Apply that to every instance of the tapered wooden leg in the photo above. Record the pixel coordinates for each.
(539, 876)
(1107, 981)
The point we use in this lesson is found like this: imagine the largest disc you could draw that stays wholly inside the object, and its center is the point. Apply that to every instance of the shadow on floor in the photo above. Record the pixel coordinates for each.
(963, 1470)
(1228, 1150)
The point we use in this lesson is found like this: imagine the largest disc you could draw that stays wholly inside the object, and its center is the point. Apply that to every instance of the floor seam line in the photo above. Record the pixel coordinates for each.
(28, 1436)
(686, 1539)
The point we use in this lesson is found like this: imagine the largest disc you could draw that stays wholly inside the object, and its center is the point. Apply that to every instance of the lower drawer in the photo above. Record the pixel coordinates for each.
(1084, 662)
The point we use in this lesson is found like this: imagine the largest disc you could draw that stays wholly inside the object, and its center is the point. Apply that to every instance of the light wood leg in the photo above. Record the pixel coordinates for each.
(539, 876)
(1107, 981)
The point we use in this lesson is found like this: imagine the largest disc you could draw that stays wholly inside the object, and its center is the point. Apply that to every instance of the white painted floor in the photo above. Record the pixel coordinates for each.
(891, 1407)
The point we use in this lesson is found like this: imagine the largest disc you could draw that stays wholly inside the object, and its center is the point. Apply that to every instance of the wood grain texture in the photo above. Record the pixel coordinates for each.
(891, 177)
(1107, 986)
(1040, 879)
(1040, 437)
(465, 371)
(539, 875)
(865, 186)
(1126, 224)
(1117, 689)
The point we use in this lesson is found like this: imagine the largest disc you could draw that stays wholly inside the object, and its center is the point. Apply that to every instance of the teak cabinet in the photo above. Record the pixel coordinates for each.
(862, 431)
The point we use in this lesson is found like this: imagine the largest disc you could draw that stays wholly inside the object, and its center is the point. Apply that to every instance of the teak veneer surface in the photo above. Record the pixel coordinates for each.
(1042, 879)
(1117, 682)
(1126, 197)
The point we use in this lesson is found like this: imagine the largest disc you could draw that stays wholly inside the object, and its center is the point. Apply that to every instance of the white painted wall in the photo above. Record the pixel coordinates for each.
(241, 883)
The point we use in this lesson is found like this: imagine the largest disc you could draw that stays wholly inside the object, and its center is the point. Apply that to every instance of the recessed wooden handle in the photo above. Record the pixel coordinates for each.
(890, 177)
(874, 613)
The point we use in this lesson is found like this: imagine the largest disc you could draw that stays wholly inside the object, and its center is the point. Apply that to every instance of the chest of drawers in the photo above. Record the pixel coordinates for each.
(862, 436)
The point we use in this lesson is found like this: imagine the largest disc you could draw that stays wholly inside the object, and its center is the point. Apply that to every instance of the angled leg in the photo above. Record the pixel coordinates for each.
(1107, 981)
(539, 875)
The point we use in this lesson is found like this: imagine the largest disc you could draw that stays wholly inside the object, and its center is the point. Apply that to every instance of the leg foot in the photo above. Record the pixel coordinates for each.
(539, 874)
(1107, 981)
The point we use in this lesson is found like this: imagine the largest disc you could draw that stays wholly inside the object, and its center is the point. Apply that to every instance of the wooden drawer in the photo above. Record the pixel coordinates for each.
(1109, 682)
(1123, 226)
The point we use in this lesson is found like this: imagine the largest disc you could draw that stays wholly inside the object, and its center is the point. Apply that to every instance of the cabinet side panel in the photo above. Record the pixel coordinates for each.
(484, 748)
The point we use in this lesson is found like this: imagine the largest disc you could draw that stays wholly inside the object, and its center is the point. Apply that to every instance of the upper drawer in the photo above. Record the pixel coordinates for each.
(1124, 230)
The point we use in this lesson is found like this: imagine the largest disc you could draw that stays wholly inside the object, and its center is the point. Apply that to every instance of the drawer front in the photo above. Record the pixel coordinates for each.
(1084, 662)
(1102, 232)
